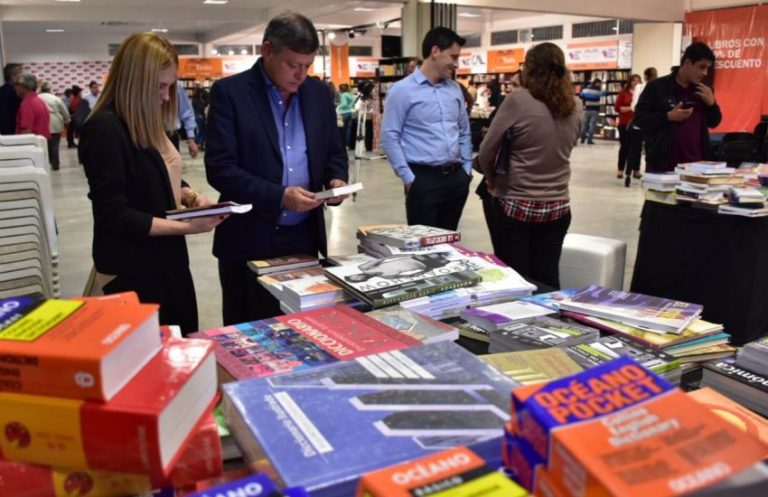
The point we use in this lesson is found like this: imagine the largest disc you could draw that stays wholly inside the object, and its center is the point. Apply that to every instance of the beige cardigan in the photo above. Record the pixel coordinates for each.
(539, 162)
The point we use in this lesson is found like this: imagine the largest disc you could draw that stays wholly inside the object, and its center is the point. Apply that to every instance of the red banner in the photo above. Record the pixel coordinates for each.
(738, 37)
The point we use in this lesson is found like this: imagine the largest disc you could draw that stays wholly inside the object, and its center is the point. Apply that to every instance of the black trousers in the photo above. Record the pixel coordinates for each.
(531, 249)
(53, 150)
(437, 199)
(623, 146)
(174, 292)
(634, 148)
(243, 298)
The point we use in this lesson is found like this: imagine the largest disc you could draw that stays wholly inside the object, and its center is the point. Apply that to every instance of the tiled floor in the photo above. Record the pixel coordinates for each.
(601, 206)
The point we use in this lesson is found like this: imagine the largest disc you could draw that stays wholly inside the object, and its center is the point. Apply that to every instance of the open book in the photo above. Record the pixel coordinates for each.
(219, 209)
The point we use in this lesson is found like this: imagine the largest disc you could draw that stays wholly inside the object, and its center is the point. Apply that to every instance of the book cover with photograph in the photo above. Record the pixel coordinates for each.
(413, 236)
(415, 325)
(390, 280)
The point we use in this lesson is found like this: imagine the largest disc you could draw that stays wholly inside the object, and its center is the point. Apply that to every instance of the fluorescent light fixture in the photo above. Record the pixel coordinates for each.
(243, 51)
(215, 2)
(331, 35)
(615, 28)
(54, 30)
(215, 52)
(231, 52)
(467, 14)
(159, 30)
(364, 9)
(70, 1)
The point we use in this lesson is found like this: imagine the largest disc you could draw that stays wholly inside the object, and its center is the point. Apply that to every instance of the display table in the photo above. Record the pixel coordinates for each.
(706, 258)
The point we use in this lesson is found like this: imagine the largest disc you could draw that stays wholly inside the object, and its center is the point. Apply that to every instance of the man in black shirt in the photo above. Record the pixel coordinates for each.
(9, 101)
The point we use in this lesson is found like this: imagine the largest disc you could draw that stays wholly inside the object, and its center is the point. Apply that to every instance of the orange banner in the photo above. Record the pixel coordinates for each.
(200, 68)
(738, 38)
(500, 61)
(340, 64)
(592, 55)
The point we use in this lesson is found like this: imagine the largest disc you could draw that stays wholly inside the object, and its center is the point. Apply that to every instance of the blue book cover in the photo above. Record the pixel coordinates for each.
(251, 486)
(551, 300)
(322, 428)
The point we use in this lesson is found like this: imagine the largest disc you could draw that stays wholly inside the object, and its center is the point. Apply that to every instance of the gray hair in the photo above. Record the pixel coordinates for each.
(28, 81)
(293, 31)
(45, 87)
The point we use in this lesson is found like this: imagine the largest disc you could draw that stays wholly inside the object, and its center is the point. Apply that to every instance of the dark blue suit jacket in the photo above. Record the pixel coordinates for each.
(243, 161)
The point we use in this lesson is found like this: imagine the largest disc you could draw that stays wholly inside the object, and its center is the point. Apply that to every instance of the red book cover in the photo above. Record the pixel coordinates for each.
(302, 340)
(142, 430)
(81, 349)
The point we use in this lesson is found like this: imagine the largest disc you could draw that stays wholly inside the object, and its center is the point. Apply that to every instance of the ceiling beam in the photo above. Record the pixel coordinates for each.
(650, 10)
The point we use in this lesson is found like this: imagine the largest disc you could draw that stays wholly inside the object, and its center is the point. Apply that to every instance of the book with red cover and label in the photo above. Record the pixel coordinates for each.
(200, 459)
(141, 430)
(79, 348)
(457, 472)
(412, 236)
(520, 458)
(303, 340)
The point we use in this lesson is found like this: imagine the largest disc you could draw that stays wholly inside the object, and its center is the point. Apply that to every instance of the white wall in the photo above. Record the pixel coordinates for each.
(656, 45)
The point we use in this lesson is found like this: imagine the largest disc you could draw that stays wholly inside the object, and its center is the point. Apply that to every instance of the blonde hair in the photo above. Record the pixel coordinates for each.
(132, 88)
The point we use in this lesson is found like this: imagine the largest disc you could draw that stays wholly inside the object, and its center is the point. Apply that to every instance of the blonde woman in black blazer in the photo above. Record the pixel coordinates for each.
(134, 175)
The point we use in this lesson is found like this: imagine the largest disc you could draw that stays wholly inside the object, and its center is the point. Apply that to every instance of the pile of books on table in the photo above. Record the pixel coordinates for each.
(743, 378)
(94, 400)
(610, 431)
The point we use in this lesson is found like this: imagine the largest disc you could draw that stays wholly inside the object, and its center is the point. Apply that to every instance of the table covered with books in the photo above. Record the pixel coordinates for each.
(703, 257)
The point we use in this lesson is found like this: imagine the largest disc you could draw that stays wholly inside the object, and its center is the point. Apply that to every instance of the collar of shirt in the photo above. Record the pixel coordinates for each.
(419, 77)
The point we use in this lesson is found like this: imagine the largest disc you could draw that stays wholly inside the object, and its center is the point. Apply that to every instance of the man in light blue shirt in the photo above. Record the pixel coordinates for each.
(425, 133)
(185, 117)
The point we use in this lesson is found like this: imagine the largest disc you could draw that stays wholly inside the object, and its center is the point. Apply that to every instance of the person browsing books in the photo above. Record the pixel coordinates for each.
(425, 133)
(272, 142)
(623, 106)
(134, 177)
(530, 211)
(675, 112)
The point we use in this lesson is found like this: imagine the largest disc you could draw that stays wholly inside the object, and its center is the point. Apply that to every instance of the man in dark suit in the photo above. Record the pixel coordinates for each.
(272, 142)
(9, 100)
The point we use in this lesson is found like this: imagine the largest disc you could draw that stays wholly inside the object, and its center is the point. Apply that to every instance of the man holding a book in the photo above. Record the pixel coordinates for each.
(272, 143)
(425, 133)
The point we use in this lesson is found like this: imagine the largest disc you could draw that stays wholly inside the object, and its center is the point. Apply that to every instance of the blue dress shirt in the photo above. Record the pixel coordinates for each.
(425, 123)
(293, 145)
(185, 114)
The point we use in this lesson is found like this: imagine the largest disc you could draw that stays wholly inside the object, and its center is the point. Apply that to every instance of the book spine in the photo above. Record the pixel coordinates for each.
(383, 302)
(53, 376)
(71, 433)
(426, 241)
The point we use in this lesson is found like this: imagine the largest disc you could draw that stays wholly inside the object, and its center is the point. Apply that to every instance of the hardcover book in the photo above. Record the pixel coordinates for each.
(323, 428)
(455, 472)
(314, 290)
(220, 209)
(415, 325)
(393, 279)
(740, 384)
(274, 282)
(413, 236)
(654, 313)
(339, 190)
(141, 430)
(74, 348)
(300, 341)
(285, 263)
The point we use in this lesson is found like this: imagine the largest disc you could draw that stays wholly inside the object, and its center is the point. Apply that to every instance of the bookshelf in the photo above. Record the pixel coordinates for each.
(389, 72)
(189, 84)
(613, 82)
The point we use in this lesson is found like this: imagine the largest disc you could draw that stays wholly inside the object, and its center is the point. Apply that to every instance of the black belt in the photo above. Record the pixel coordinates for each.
(437, 168)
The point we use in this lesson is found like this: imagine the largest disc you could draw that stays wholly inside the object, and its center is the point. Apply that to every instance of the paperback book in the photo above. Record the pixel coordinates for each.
(301, 341)
(754, 356)
(274, 282)
(393, 279)
(468, 330)
(338, 191)
(540, 333)
(534, 366)
(746, 387)
(258, 485)
(653, 313)
(611, 347)
(551, 300)
(285, 263)
(323, 428)
(415, 325)
(493, 317)
(414, 236)
(220, 209)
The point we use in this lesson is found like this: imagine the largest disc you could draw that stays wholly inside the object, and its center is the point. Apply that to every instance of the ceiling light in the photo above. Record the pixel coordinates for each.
(215, 2)
(243, 51)
(159, 30)
(351, 33)
(215, 52)
(467, 14)
(365, 9)
(72, 1)
(331, 35)
(615, 28)
(54, 30)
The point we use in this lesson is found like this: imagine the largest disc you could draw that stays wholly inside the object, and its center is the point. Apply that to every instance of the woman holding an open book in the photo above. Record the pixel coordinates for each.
(134, 175)
(525, 158)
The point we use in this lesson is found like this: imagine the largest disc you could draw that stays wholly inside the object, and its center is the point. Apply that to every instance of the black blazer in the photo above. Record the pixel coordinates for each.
(128, 187)
(243, 161)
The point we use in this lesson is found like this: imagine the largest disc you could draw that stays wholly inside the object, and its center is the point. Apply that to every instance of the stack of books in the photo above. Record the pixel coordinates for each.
(304, 340)
(745, 201)
(309, 293)
(323, 428)
(743, 378)
(705, 184)
(283, 264)
(92, 395)
(406, 237)
(612, 429)
(660, 182)
(274, 282)
(494, 317)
